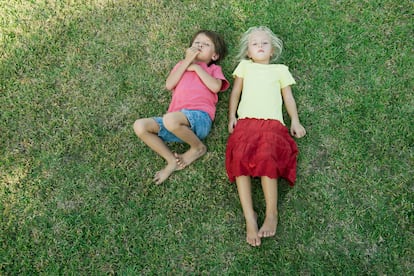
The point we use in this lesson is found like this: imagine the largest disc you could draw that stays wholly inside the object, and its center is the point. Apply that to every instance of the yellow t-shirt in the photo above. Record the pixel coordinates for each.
(261, 96)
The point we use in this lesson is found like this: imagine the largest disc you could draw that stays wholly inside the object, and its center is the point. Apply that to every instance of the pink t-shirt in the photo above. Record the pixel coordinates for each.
(191, 93)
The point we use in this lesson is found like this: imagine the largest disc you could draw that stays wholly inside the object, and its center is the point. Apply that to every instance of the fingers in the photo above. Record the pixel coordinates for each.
(298, 133)
(232, 124)
(231, 127)
(192, 52)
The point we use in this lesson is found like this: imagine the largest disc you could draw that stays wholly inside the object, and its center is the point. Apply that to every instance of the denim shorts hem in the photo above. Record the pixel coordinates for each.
(200, 123)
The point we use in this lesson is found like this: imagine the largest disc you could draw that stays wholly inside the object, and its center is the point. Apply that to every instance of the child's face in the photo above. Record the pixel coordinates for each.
(206, 47)
(260, 47)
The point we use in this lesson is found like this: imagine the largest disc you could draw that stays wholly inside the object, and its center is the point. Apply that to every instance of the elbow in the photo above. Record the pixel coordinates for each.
(169, 86)
(217, 87)
(216, 90)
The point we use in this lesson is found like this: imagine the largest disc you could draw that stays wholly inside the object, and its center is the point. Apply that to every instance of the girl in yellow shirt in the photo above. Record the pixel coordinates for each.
(259, 144)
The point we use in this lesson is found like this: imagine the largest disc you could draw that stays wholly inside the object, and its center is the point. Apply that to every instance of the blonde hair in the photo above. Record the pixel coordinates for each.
(277, 44)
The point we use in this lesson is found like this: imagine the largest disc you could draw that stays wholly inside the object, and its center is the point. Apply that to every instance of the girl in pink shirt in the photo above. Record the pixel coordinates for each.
(194, 82)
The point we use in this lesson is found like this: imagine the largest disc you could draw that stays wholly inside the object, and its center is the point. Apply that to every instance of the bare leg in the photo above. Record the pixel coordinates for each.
(177, 123)
(147, 130)
(245, 195)
(269, 186)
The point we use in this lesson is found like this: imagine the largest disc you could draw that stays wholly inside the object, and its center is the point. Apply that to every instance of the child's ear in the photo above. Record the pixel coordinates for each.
(215, 57)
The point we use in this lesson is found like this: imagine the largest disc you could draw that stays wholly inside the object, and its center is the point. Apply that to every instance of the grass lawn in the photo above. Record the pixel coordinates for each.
(76, 191)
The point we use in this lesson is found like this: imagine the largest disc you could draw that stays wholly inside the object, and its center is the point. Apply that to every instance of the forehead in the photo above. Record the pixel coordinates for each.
(259, 35)
(203, 37)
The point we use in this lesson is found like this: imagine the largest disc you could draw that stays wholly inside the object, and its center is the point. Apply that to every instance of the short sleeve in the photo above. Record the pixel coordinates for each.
(218, 74)
(240, 69)
(286, 77)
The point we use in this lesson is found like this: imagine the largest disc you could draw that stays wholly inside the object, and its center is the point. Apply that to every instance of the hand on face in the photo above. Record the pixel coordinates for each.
(191, 53)
(202, 50)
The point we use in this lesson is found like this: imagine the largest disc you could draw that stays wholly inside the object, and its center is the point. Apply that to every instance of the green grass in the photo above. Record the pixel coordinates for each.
(76, 195)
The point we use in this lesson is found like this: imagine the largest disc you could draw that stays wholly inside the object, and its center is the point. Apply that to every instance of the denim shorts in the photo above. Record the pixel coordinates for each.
(200, 124)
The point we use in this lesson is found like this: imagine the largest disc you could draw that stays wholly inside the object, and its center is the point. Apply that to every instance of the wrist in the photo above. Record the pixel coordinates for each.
(295, 120)
(187, 62)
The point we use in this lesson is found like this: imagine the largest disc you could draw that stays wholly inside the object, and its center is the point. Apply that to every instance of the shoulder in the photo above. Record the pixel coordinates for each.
(211, 68)
(284, 74)
(243, 64)
(214, 67)
(281, 67)
(246, 62)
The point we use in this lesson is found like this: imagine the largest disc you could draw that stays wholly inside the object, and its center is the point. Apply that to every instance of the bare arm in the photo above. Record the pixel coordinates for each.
(212, 83)
(175, 76)
(234, 102)
(296, 129)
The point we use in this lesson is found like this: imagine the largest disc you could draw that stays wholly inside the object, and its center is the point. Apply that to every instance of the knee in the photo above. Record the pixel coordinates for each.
(140, 127)
(170, 122)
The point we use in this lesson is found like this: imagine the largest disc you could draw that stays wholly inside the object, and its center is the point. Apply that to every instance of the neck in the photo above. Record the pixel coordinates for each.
(261, 61)
(203, 61)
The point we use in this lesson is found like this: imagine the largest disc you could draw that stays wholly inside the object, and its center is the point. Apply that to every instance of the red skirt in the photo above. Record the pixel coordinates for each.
(261, 148)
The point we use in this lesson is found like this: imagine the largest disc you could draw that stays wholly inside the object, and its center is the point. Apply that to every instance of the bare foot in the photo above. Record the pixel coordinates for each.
(163, 174)
(178, 159)
(188, 157)
(252, 236)
(268, 228)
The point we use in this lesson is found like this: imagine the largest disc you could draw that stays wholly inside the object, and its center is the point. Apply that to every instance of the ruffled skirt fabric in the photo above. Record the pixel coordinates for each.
(261, 148)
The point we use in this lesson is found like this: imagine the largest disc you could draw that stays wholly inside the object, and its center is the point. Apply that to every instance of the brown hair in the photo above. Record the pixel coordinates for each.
(220, 46)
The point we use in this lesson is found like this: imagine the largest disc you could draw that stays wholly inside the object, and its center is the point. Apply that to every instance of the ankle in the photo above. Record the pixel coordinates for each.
(201, 148)
(171, 161)
(271, 215)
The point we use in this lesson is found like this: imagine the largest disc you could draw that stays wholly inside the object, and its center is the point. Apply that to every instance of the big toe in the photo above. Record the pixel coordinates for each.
(254, 241)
